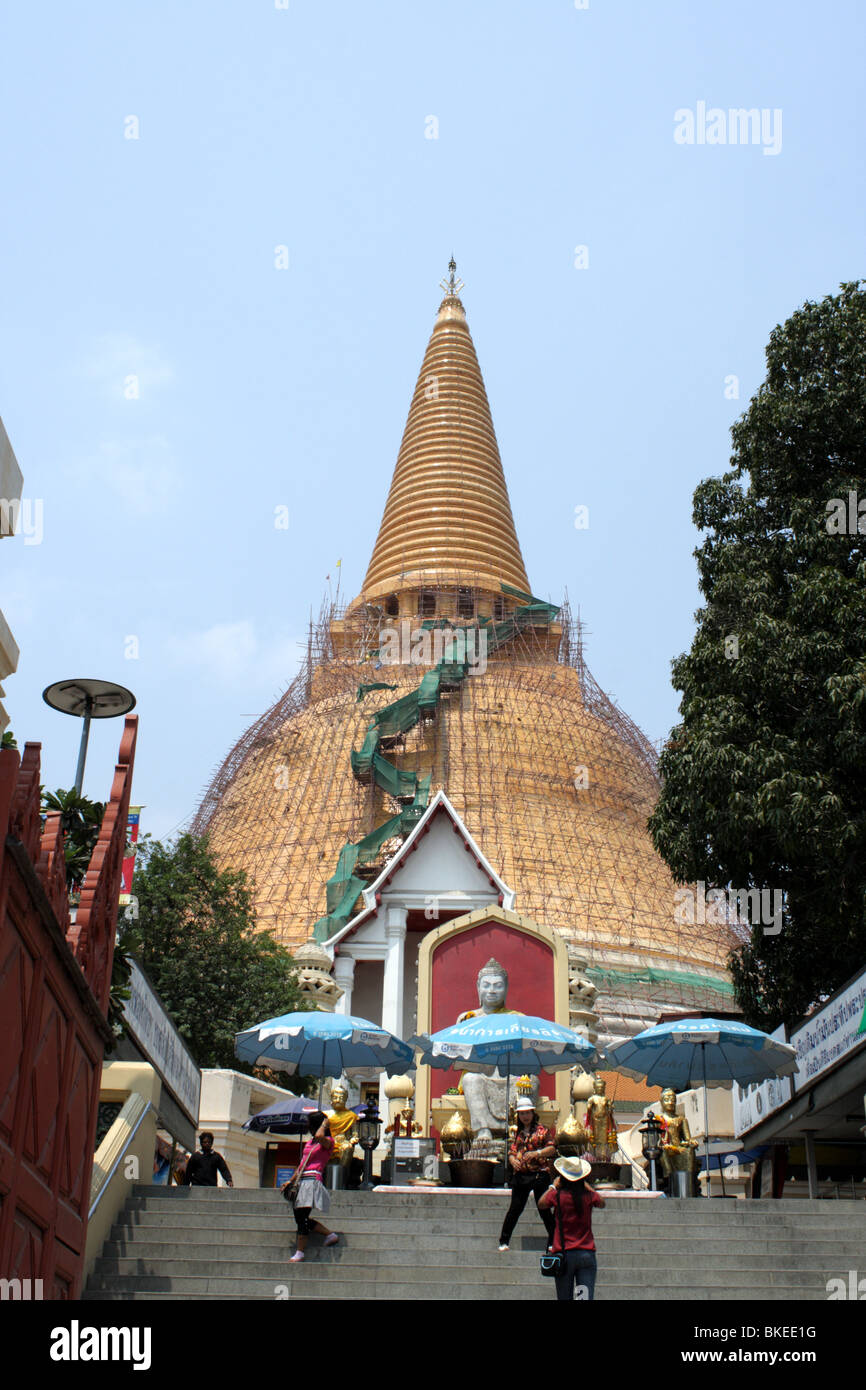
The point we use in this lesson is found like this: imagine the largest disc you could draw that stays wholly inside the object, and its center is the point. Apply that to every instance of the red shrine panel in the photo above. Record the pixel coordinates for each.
(454, 967)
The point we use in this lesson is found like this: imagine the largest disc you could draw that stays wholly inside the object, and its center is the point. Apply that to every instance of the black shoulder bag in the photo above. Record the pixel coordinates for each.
(551, 1265)
(290, 1191)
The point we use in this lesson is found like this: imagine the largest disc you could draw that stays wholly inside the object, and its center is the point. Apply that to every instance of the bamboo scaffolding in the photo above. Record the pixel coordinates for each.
(506, 746)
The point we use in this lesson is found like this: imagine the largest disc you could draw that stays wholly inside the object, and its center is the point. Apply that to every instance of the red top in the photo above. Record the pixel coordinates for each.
(576, 1218)
(319, 1151)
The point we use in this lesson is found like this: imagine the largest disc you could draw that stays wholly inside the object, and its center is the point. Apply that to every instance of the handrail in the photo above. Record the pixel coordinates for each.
(131, 1103)
(639, 1176)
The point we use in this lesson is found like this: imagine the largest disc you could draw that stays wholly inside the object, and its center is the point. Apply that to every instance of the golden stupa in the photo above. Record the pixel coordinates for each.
(552, 780)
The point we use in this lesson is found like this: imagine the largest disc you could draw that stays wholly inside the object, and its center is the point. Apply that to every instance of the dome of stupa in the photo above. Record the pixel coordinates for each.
(552, 780)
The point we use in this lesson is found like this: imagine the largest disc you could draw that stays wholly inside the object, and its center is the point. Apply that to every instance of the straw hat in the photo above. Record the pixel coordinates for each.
(573, 1169)
(524, 1104)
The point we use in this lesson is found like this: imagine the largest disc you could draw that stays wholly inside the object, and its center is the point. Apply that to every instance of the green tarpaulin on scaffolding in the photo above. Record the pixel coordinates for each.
(391, 779)
(428, 691)
(344, 887)
(398, 717)
(651, 975)
(372, 685)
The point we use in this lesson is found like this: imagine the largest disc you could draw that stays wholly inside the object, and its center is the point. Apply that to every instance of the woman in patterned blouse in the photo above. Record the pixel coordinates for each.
(530, 1156)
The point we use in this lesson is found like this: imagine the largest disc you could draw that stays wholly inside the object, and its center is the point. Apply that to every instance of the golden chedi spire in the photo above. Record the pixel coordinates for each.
(447, 518)
(552, 781)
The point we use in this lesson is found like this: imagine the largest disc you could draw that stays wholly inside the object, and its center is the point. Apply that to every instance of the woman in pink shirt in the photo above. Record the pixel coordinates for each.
(311, 1191)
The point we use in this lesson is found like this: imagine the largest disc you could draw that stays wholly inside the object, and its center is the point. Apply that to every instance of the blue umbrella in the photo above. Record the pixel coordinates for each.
(288, 1116)
(702, 1051)
(513, 1042)
(319, 1044)
(490, 1041)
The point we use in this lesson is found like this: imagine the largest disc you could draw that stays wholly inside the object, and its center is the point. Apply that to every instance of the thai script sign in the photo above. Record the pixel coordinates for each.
(152, 1029)
(831, 1034)
(754, 1103)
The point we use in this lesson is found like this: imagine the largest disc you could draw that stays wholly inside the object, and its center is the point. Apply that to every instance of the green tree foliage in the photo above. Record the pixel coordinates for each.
(80, 819)
(765, 775)
(195, 936)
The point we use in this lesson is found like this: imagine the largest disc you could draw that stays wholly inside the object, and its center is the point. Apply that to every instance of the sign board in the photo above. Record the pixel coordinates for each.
(157, 1038)
(830, 1034)
(407, 1148)
(409, 1157)
(282, 1175)
(753, 1103)
(133, 820)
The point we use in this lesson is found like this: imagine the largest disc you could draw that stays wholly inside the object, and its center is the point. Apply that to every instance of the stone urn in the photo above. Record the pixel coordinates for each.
(581, 1087)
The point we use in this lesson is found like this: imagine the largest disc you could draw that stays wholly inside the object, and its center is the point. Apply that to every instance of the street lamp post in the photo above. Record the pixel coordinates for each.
(88, 699)
(368, 1137)
(650, 1133)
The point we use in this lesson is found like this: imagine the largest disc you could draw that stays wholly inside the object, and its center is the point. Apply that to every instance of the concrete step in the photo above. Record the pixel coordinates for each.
(489, 1226)
(192, 1244)
(293, 1282)
(541, 1290)
(448, 1195)
(732, 1293)
(384, 1266)
(754, 1215)
(245, 1200)
(162, 1242)
(165, 1258)
(658, 1209)
(505, 1271)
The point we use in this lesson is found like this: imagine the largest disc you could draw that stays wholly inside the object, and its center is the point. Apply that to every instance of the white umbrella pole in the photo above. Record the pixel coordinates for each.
(706, 1116)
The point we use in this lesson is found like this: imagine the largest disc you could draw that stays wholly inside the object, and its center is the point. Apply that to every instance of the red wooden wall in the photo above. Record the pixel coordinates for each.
(55, 979)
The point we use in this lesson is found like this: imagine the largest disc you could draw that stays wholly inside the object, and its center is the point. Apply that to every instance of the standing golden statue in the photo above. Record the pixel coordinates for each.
(343, 1124)
(600, 1124)
(678, 1146)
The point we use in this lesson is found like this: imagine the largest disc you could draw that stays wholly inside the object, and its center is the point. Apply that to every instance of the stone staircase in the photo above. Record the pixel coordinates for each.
(199, 1243)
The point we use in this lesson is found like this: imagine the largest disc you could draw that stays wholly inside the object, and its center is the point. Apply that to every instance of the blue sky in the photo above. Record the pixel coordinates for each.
(307, 127)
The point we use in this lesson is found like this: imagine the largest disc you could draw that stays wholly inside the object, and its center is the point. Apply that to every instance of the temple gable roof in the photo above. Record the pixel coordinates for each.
(439, 860)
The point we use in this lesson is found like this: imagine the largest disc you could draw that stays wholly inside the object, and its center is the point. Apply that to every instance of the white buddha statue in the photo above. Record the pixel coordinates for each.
(485, 1095)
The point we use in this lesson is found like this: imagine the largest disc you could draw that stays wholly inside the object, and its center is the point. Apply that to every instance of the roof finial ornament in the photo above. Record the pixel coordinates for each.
(452, 285)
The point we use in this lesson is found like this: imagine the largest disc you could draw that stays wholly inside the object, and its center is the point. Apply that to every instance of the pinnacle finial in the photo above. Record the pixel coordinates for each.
(452, 285)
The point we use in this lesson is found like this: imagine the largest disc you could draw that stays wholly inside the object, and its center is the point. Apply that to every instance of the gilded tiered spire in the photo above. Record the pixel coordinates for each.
(447, 519)
(553, 782)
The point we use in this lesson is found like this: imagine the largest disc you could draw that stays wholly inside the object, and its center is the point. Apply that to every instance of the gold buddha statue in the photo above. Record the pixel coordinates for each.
(343, 1125)
(600, 1124)
(678, 1146)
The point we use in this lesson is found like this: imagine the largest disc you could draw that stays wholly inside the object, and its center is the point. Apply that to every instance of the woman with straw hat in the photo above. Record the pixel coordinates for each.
(571, 1201)
(529, 1155)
